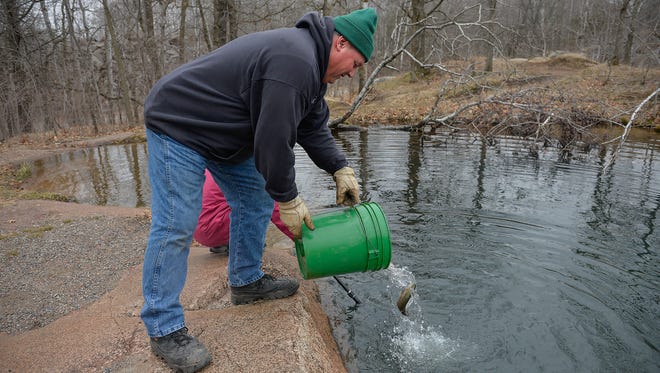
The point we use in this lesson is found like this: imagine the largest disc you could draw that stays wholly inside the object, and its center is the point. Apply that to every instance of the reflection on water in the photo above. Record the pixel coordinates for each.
(522, 262)
(108, 175)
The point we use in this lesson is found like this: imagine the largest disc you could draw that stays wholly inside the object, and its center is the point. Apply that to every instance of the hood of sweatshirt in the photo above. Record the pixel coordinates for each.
(321, 29)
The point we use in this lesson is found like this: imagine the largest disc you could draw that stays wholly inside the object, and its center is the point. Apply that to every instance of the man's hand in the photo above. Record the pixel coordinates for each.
(293, 213)
(348, 192)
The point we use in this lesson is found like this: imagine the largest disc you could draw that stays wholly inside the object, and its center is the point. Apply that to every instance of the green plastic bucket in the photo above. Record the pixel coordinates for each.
(354, 239)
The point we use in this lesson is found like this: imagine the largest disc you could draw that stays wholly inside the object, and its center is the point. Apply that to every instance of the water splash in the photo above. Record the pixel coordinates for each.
(400, 276)
(414, 345)
(418, 346)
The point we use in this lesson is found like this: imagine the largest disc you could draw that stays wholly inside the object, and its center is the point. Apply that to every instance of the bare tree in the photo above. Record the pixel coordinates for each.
(205, 31)
(616, 52)
(632, 25)
(418, 16)
(14, 13)
(182, 30)
(490, 48)
(150, 40)
(124, 86)
(96, 107)
(224, 21)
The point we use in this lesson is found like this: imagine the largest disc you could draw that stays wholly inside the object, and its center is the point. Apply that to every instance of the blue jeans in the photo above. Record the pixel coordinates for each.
(176, 174)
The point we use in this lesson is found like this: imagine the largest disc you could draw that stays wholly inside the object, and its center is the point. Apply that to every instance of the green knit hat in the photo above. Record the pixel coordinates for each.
(358, 27)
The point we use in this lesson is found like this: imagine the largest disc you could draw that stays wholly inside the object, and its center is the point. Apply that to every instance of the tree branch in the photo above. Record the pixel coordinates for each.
(626, 130)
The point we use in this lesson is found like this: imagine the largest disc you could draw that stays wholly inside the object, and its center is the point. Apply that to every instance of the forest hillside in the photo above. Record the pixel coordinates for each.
(70, 64)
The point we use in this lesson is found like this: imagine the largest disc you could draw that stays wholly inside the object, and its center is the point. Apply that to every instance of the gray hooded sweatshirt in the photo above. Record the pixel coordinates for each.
(255, 96)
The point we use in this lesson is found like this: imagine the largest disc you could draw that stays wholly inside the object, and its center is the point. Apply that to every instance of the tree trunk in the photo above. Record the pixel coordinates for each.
(85, 108)
(627, 48)
(362, 71)
(44, 12)
(205, 30)
(13, 36)
(96, 109)
(224, 22)
(418, 13)
(418, 45)
(326, 8)
(182, 31)
(616, 53)
(150, 42)
(110, 75)
(490, 49)
(49, 118)
(124, 91)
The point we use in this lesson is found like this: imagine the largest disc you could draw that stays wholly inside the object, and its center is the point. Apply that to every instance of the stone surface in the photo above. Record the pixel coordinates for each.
(285, 335)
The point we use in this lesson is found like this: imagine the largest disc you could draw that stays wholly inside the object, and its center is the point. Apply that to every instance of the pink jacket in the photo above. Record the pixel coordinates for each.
(213, 225)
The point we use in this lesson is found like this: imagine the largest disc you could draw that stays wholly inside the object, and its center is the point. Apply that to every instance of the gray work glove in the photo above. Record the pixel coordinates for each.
(348, 192)
(293, 213)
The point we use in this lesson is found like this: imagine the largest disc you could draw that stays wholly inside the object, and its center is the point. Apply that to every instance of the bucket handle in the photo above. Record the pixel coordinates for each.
(373, 251)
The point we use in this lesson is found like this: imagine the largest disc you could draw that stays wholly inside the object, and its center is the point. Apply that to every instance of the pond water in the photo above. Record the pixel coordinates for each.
(114, 175)
(521, 263)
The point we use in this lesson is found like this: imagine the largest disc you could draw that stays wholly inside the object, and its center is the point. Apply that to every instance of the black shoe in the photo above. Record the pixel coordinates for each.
(224, 249)
(267, 287)
(181, 351)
